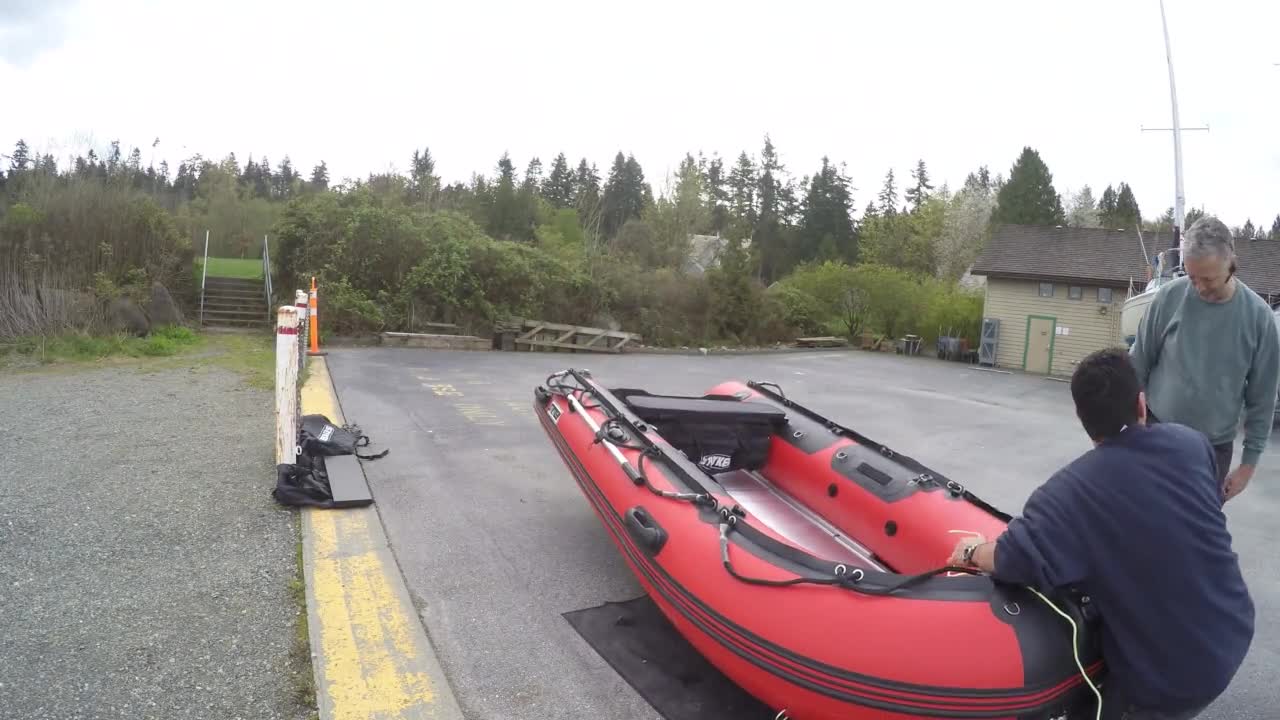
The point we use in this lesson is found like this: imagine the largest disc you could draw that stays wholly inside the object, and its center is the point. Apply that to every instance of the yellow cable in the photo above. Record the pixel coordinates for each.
(1075, 648)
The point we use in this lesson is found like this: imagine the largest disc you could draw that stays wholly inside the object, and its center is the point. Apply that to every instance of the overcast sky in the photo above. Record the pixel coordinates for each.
(872, 84)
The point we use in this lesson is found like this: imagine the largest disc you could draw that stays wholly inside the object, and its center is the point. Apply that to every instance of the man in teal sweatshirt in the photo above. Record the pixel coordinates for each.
(1207, 348)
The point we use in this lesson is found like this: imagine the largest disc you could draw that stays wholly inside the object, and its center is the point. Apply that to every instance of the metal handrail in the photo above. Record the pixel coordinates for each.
(266, 274)
(204, 272)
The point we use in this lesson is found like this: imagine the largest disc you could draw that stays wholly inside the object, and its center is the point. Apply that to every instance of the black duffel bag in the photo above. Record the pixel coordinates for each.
(717, 433)
(319, 436)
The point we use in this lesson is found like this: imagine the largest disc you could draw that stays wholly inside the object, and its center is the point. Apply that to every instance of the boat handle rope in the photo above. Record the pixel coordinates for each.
(841, 575)
(634, 472)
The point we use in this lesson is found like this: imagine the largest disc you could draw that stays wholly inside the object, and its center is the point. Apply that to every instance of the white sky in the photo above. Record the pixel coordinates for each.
(874, 85)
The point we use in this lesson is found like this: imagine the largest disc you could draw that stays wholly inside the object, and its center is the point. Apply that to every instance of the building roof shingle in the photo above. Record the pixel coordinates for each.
(1091, 255)
(1104, 257)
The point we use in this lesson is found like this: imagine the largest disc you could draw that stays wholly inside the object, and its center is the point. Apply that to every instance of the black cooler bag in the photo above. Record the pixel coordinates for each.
(718, 433)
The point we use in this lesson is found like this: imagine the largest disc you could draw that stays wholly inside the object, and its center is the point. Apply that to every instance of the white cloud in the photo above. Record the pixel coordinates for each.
(28, 27)
(875, 85)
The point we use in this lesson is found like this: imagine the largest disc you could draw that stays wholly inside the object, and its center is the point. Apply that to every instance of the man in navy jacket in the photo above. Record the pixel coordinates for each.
(1136, 523)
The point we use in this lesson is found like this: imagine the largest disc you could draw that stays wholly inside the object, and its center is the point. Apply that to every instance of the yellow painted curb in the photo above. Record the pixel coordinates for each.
(371, 655)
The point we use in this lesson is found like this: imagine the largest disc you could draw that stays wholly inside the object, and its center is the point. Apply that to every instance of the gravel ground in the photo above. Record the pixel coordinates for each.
(144, 568)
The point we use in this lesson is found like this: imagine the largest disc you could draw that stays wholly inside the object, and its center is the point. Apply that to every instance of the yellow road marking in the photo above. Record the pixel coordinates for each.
(478, 414)
(369, 650)
(443, 389)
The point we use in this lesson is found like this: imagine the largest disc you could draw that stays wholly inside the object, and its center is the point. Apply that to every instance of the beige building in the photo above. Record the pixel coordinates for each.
(1057, 292)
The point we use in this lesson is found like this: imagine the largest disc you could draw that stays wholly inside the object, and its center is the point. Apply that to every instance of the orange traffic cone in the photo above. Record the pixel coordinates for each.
(313, 319)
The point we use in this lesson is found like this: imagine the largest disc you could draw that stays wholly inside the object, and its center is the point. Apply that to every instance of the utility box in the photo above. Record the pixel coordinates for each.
(988, 342)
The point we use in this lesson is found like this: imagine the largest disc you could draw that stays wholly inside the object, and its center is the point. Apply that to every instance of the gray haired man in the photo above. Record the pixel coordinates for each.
(1207, 348)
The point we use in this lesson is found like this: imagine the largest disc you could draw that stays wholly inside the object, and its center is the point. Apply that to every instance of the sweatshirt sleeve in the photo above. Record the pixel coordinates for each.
(1039, 548)
(1260, 391)
(1145, 352)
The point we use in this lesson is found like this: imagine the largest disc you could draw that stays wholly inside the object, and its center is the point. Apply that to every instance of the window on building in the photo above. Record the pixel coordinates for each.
(1104, 295)
(1046, 289)
(1075, 292)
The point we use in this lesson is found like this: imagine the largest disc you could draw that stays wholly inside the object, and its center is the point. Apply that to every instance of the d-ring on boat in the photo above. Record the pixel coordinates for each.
(805, 560)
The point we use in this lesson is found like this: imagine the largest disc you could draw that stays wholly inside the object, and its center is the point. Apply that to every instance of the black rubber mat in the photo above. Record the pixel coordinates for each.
(645, 649)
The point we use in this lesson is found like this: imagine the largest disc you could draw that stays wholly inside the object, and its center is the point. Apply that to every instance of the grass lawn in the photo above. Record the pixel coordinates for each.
(252, 356)
(248, 268)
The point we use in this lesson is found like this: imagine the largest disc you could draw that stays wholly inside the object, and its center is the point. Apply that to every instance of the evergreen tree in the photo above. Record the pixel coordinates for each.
(1107, 209)
(769, 240)
(113, 159)
(263, 182)
(826, 228)
(871, 213)
(1247, 232)
(732, 301)
(717, 195)
(532, 177)
(742, 188)
(283, 181)
(423, 182)
(1028, 198)
(587, 201)
(20, 159)
(1127, 214)
(505, 213)
(249, 177)
(1275, 229)
(625, 194)
(320, 177)
(888, 196)
(918, 194)
(979, 181)
(559, 187)
(769, 185)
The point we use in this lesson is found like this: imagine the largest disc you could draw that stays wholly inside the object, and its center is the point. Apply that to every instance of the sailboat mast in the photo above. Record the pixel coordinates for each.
(1178, 198)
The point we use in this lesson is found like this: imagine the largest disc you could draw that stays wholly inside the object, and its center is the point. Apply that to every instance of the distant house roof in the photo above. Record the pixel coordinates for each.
(1089, 255)
(1260, 265)
(1104, 257)
(704, 253)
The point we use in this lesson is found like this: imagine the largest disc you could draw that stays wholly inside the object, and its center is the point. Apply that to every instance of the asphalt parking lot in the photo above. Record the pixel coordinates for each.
(496, 542)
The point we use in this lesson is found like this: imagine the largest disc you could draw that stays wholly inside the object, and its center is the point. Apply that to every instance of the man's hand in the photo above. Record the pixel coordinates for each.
(1238, 480)
(957, 555)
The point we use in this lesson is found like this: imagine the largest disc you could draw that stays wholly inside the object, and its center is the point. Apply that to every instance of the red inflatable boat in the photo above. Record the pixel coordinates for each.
(807, 562)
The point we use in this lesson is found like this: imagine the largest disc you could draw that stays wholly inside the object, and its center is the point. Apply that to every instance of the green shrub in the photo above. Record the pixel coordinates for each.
(799, 310)
(348, 311)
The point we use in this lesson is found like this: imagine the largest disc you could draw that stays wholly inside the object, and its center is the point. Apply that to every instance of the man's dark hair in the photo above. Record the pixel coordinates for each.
(1105, 388)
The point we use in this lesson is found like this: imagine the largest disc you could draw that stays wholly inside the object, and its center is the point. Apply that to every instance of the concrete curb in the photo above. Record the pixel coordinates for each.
(734, 351)
(371, 654)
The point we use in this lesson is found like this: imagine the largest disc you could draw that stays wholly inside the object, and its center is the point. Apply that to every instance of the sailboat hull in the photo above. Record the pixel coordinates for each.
(1131, 314)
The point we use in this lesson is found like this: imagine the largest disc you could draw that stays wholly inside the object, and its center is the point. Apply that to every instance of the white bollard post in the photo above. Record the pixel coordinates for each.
(286, 385)
(300, 299)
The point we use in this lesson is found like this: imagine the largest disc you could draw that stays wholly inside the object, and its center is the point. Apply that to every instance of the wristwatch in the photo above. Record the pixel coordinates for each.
(967, 555)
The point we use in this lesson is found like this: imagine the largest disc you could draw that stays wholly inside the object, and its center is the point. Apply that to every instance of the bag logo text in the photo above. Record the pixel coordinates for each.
(715, 462)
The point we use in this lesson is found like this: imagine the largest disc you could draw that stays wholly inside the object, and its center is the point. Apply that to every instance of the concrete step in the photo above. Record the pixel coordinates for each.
(235, 292)
(236, 322)
(233, 282)
(249, 314)
(255, 303)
